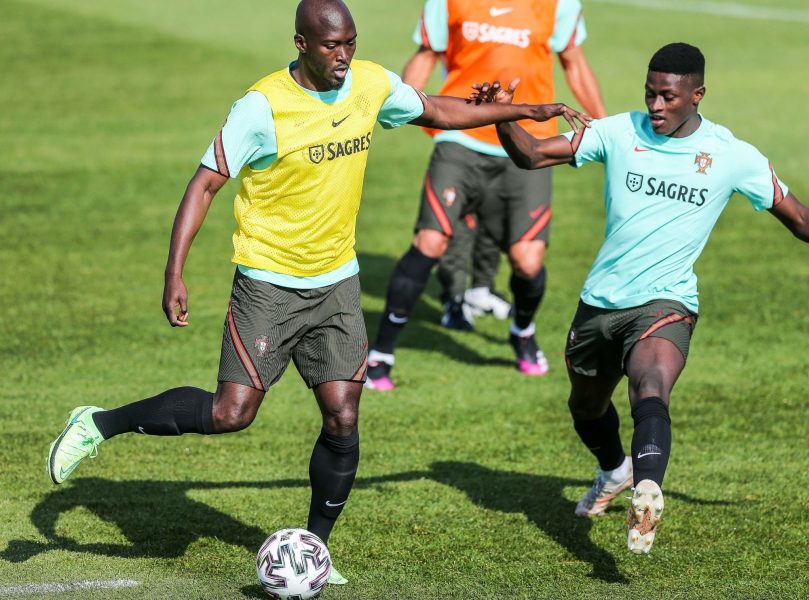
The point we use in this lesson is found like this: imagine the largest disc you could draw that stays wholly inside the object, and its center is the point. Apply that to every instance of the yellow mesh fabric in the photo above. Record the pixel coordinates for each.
(298, 216)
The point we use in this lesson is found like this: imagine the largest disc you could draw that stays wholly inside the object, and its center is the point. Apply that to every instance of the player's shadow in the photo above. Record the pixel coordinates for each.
(159, 519)
(423, 332)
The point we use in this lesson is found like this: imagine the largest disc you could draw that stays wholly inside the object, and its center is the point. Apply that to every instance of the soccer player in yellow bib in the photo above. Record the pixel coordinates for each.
(298, 141)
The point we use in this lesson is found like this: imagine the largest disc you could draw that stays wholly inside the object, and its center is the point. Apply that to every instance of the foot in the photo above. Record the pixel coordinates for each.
(79, 440)
(607, 485)
(378, 376)
(530, 358)
(335, 578)
(644, 515)
(457, 315)
(482, 300)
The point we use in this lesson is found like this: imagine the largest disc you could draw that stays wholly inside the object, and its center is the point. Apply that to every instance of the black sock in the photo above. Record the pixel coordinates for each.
(406, 285)
(527, 296)
(174, 412)
(651, 442)
(602, 437)
(331, 473)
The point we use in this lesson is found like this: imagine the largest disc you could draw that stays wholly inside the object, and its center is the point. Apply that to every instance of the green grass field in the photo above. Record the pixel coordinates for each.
(469, 472)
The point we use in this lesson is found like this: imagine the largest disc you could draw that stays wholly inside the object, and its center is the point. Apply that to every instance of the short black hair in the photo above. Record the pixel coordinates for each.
(678, 58)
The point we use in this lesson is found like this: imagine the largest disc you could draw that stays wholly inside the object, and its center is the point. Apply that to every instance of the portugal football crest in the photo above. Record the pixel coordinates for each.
(449, 196)
(634, 181)
(316, 153)
(703, 160)
(262, 345)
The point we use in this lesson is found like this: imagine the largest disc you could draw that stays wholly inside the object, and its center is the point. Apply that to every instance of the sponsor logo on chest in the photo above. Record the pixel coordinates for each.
(474, 31)
(657, 186)
(334, 150)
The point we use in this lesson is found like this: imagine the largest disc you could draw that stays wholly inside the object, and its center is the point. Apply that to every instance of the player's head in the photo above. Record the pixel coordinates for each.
(675, 85)
(325, 37)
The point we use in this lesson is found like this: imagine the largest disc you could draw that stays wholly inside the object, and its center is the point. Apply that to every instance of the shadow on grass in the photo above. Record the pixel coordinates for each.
(423, 331)
(160, 520)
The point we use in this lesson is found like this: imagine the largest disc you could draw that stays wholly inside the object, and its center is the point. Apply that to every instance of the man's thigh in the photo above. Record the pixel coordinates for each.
(591, 349)
(335, 344)
(450, 188)
(666, 319)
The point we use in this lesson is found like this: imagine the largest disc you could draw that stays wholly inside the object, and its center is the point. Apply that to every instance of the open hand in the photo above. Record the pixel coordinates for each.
(549, 111)
(486, 92)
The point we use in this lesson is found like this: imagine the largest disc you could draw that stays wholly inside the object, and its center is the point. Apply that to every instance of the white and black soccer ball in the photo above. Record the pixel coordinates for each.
(293, 564)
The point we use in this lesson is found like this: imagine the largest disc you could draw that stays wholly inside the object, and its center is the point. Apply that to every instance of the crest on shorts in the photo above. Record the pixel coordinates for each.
(572, 338)
(449, 196)
(262, 345)
(634, 181)
(316, 153)
(703, 160)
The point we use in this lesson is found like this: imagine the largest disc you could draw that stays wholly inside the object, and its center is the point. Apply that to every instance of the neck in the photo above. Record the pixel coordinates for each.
(305, 78)
(689, 126)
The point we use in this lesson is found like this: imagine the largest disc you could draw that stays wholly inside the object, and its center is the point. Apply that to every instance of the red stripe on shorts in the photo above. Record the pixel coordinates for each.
(435, 205)
(672, 318)
(540, 224)
(244, 357)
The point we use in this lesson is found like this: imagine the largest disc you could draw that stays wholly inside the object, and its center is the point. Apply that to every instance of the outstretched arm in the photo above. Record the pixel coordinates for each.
(418, 69)
(445, 112)
(190, 214)
(794, 216)
(582, 81)
(529, 152)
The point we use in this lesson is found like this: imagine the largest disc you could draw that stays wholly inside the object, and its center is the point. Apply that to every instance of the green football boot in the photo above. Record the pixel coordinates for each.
(79, 440)
(335, 578)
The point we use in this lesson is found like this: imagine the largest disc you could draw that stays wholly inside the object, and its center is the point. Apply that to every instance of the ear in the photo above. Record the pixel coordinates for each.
(300, 43)
(699, 94)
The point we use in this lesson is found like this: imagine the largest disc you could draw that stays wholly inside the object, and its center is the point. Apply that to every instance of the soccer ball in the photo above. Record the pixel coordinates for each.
(293, 564)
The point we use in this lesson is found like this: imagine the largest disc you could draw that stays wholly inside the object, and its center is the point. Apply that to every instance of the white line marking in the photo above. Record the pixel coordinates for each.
(57, 588)
(729, 9)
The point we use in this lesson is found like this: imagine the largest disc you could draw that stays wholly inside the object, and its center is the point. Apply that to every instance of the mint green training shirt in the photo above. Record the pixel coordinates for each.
(663, 197)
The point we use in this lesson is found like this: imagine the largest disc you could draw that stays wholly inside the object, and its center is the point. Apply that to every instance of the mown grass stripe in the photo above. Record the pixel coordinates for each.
(58, 588)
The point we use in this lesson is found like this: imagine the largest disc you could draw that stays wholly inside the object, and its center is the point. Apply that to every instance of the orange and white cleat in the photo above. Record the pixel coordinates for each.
(644, 515)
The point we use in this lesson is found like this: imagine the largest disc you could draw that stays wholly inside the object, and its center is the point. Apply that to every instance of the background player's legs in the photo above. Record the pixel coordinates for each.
(336, 454)
(528, 278)
(653, 368)
(453, 268)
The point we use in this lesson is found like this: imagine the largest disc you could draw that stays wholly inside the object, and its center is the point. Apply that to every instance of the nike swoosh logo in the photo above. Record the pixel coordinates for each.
(499, 12)
(336, 123)
(141, 430)
(648, 454)
(397, 320)
(65, 472)
(637, 149)
(328, 503)
(535, 213)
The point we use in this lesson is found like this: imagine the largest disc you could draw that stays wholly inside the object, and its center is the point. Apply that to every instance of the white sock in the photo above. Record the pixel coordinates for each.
(477, 294)
(530, 330)
(374, 356)
(621, 472)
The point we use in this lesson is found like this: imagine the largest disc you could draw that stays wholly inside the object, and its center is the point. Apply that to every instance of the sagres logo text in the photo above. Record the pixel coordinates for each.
(655, 186)
(334, 150)
(485, 32)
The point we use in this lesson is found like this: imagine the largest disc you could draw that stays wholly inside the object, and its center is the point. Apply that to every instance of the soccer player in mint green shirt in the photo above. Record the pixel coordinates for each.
(669, 174)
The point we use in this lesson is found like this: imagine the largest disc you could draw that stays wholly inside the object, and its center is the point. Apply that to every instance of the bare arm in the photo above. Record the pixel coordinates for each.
(794, 216)
(529, 152)
(190, 214)
(582, 81)
(418, 69)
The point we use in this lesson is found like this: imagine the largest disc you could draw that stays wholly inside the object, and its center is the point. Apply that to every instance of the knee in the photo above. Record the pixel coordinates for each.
(232, 414)
(524, 264)
(341, 419)
(431, 243)
(649, 384)
(586, 409)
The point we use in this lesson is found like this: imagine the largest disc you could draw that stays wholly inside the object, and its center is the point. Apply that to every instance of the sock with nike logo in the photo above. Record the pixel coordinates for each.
(528, 294)
(406, 285)
(173, 412)
(331, 473)
(651, 442)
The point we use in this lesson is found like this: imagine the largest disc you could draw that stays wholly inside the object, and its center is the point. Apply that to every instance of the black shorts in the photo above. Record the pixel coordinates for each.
(600, 339)
(322, 330)
(511, 204)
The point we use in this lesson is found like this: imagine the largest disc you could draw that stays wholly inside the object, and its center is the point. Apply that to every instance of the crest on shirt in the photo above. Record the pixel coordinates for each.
(634, 181)
(316, 153)
(262, 345)
(703, 160)
(449, 195)
(470, 30)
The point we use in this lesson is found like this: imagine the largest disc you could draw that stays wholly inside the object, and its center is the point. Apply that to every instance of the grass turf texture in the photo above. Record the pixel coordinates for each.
(469, 472)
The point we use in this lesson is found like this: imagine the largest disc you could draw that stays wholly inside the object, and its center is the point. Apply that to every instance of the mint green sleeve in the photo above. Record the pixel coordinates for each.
(402, 105)
(590, 143)
(248, 136)
(569, 29)
(432, 30)
(755, 178)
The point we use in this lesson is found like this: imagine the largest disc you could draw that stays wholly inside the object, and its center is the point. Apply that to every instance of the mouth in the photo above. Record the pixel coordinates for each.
(340, 72)
(657, 120)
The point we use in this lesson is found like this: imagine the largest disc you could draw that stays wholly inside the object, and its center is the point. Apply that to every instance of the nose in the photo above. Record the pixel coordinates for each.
(342, 54)
(656, 104)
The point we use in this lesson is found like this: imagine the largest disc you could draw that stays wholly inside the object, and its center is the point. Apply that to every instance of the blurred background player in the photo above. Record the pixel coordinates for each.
(670, 172)
(470, 173)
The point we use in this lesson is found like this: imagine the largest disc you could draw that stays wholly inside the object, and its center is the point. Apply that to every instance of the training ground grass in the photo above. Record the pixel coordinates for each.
(469, 472)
